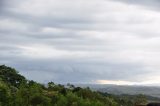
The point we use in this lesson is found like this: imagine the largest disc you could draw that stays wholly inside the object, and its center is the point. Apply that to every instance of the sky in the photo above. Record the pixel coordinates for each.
(82, 41)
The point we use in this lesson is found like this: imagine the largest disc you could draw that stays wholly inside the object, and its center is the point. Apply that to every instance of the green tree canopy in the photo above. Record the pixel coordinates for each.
(11, 76)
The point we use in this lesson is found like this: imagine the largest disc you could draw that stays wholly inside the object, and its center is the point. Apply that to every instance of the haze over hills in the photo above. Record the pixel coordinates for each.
(125, 89)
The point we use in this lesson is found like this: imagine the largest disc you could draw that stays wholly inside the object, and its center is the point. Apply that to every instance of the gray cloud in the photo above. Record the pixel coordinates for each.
(80, 41)
(150, 4)
(74, 70)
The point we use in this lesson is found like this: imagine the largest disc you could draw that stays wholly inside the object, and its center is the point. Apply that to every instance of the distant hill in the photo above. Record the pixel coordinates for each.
(16, 90)
(150, 91)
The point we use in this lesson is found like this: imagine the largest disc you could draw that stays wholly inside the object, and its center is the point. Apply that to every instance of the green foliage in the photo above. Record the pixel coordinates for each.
(11, 76)
(128, 100)
(4, 94)
(140, 99)
(15, 90)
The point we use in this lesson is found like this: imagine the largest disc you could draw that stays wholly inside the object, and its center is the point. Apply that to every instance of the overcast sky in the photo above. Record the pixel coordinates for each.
(82, 41)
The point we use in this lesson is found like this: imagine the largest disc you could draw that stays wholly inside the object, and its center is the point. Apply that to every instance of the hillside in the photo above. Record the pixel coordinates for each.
(122, 89)
(16, 90)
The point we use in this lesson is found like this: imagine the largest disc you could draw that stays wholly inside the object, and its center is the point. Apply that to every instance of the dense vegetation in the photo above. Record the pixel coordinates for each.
(16, 90)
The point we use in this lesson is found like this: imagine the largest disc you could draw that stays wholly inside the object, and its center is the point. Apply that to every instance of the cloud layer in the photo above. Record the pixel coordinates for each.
(81, 41)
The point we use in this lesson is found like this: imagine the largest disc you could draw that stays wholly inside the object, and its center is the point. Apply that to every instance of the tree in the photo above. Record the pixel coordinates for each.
(140, 100)
(5, 94)
(11, 76)
(41, 100)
